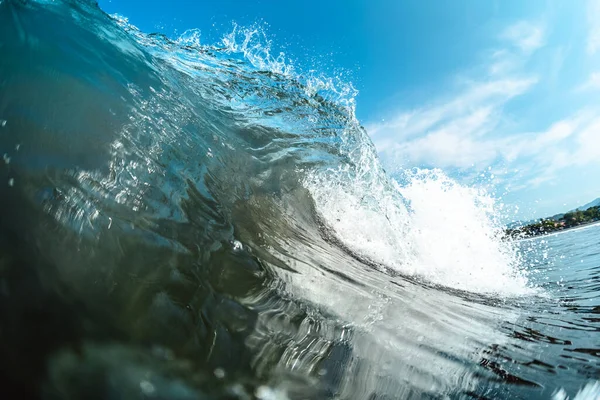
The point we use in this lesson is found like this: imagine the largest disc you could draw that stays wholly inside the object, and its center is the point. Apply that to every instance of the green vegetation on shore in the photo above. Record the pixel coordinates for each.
(548, 225)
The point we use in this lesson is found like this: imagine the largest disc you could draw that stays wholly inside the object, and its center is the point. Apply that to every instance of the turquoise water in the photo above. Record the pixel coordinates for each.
(184, 221)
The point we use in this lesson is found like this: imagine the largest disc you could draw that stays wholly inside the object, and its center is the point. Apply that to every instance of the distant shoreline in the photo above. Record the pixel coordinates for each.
(566, 222)
(559, 231)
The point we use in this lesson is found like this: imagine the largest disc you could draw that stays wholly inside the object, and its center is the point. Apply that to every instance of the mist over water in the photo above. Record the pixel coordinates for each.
(186, 220)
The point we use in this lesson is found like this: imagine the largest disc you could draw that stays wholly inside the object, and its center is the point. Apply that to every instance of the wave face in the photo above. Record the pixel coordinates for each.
(203, 221)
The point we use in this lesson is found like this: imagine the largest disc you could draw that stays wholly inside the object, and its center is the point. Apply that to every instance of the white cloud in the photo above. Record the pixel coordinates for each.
(526, 36)
(567, 143)
(588, 142)
(593, 15)
(477, 96)
(502, 62)
(444, 146)
(450, 133)
(453, 132)
(593, 82)
(559, 131)
(471, 129)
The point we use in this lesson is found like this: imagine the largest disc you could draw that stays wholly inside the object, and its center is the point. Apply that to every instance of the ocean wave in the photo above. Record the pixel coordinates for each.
(194, 211)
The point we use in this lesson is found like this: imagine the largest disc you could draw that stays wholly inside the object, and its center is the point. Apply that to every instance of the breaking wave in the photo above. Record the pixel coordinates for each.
(188, 219)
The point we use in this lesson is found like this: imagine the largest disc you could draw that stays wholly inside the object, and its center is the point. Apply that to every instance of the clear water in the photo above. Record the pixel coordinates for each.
(190, 221)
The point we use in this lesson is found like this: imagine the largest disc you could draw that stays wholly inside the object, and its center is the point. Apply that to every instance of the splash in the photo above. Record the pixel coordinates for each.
(457, 236)
(255, 46)
(432, 227)
(590, 391)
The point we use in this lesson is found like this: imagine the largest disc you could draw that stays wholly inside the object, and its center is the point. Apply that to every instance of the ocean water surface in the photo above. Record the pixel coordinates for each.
(190, 221)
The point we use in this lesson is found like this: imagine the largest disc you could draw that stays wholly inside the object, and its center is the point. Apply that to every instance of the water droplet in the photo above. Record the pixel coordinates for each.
(17, 147)
(11, 182)
(265, 393)
(237, 245)
(6, 158)
(3, 122)
(219, 373)
(147, 387)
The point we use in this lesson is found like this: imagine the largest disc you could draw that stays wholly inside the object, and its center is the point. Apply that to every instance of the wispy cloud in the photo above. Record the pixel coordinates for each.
(454, 132)
(472, 130)
(450, 133)
(593, 82)
(593, 15)
(455, 111)
(588, 144)
(525, 35)
(571, 142)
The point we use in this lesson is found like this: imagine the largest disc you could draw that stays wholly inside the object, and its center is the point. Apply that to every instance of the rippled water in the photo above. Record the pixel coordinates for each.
(559, 336)
(191, 221)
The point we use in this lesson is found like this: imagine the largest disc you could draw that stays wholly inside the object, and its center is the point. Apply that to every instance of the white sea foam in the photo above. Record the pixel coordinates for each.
(591, 391)
(432, 227)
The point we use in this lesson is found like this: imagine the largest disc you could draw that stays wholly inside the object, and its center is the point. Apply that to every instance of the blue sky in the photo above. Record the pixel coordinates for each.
(505, 88)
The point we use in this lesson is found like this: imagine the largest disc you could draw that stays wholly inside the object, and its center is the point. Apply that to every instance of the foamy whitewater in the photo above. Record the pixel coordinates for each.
(447, 234)
(185, 220)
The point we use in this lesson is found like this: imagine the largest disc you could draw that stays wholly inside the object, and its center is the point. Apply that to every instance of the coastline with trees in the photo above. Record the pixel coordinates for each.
(546, 226)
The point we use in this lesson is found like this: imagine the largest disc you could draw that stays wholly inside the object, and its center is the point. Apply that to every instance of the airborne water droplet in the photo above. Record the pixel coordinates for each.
(147, 387)
(265, 393)
(237, 245)
(3, 122)
(219, 373)
(11, 182)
